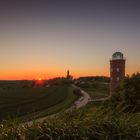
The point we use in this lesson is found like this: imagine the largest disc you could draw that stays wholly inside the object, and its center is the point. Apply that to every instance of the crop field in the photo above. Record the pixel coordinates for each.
(27, 102)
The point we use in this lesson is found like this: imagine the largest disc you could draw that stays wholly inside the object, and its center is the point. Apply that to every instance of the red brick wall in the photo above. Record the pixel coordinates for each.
(117, 73)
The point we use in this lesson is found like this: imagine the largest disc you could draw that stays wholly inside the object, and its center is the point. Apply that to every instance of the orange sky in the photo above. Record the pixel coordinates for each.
(29, 75)
(45, 39)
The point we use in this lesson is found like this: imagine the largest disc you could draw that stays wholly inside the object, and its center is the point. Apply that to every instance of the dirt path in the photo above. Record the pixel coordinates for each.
(82, 101)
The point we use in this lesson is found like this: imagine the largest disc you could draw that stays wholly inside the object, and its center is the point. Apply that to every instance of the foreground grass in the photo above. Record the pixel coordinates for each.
(100, 124)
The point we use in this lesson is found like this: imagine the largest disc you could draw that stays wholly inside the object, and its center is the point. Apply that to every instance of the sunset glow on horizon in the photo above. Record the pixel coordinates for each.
(45, 39)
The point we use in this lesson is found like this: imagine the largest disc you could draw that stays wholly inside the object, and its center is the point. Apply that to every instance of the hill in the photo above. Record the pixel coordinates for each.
(27, 102)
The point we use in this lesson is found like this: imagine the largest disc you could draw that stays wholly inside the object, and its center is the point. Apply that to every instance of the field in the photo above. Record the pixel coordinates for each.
(98, 90)
(20, 101)
(99, 120)
(95, 88)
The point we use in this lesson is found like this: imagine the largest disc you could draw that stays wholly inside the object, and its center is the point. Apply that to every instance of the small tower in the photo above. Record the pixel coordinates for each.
(117, 70)
(69, 77)
(68, 74)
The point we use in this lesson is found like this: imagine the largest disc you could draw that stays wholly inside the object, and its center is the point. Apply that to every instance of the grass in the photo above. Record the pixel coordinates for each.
(82, 124)
(69, 100)
(93, 122)
(19, 102)
(97, 89)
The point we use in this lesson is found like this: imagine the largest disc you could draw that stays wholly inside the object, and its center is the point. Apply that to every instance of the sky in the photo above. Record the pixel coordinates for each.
(45, 38)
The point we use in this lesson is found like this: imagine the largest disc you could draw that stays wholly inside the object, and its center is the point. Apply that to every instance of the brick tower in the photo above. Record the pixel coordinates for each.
(117, 70)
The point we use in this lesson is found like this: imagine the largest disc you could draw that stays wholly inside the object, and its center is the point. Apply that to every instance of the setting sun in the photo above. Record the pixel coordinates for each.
(39, 79)
(39, 82)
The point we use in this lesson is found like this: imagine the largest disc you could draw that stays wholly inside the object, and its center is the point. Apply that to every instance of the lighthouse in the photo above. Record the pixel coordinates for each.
(117, 70)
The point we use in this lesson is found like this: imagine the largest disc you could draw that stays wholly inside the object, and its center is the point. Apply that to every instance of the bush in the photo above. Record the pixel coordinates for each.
(127, 96)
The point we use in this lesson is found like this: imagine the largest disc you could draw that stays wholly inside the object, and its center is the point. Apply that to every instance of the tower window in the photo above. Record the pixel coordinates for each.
(118, 69)
(118, 78)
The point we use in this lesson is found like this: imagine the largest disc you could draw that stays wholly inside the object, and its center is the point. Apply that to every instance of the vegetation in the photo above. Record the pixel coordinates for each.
(28, 102)
(59, 81)
(78, 125)
(127, 97)
(97, 87)
(115, 119)
(94, 78)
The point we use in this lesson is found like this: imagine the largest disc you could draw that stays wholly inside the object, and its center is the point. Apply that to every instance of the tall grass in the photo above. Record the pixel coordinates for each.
(78, 125)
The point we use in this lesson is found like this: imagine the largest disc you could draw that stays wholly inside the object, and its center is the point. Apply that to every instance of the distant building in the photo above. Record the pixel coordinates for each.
(117, 70)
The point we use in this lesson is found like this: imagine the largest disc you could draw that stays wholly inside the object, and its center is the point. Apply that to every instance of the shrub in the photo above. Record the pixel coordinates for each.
(127, 96)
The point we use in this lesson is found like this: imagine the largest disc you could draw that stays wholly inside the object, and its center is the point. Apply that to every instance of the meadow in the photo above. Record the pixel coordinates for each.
(96, 87)
(28, 102)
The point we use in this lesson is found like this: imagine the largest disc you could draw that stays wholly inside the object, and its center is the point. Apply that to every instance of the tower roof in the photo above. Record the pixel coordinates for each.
(117, 56)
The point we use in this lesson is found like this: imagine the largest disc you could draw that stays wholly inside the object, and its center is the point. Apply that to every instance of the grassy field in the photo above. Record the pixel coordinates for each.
(96, 89)
(29, 102)
(95, 121)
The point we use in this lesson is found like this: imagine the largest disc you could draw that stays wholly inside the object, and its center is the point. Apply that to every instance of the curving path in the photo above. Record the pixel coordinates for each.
(82, 101)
